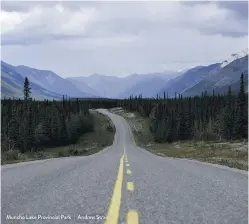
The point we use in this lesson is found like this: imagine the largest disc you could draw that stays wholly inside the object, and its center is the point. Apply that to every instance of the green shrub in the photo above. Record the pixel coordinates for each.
(109, 128)
(10, 155)
(73, 151)
(40, 155)
(76, 152)
(62, 154)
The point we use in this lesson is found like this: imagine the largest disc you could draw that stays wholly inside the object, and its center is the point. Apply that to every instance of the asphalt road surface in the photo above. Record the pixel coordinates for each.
(126, 183)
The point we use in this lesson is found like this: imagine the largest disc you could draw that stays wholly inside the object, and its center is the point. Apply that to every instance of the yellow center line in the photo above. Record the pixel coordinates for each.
(132, 217)
(130, 186)
(113, 213)
(125, 156)
(128, 171)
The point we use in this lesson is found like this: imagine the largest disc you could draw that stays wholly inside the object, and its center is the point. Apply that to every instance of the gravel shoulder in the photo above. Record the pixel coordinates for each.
(231, 154)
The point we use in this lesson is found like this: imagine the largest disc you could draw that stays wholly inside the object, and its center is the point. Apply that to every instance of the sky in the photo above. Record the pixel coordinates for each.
(121, 38)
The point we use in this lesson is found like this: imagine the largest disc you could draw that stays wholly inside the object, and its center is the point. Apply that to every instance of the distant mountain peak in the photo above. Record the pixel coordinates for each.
(95, 74)
(234, 57)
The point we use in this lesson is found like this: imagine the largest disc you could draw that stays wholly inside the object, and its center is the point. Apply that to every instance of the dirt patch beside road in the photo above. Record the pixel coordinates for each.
(232, 154)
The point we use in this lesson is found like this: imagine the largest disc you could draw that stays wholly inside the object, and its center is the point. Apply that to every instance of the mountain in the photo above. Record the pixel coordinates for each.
(148, 85)
(146, 88)
(83, 86)
(120, 87)
(107, 86)
(92, 86)
(51, 81)
(227, 75)
(187, 79)
(234, 57)
(12, 85)
(104, 86)
(188, 82)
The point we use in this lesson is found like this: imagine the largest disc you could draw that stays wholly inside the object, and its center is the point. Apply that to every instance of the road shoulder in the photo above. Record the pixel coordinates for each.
(227, 154)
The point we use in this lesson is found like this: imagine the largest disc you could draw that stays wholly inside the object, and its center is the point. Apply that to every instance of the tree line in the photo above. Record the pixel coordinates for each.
(30, 125)
(205, 117)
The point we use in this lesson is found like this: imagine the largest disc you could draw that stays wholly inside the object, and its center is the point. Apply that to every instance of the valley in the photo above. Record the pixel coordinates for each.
(132, 112)
(214, 78)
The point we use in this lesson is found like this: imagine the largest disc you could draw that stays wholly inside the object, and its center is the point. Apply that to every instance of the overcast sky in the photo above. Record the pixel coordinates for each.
(121, 38)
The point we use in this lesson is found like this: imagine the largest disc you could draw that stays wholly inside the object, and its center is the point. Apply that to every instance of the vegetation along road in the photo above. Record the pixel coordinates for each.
(125, 183)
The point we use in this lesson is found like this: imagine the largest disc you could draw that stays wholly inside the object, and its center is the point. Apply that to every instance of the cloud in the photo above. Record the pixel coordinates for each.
(240, 8)
(121, 37)
(228, 18)
(41, 24)
(46, 21)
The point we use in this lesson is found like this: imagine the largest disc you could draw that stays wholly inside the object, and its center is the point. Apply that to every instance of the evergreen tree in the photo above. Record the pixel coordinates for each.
(26, 89)
(189, 117)
(241, 124)
(183, 124)
(227, 118)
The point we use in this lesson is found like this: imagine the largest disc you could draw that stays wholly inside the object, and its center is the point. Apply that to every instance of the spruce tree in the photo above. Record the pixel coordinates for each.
(26, 89)
(183, 124)
(241, 124)
(189, 121)
(228, 119)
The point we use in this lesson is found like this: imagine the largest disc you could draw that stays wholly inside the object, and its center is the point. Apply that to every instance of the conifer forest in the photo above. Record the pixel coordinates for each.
(28, 125)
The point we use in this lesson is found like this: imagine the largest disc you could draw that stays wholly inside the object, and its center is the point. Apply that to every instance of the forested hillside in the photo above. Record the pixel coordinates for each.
(33, 129)
(216, 117)
(30, 125)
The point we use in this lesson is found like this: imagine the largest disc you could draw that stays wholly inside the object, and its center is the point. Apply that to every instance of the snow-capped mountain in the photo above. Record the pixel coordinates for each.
(186, 80)
(220, 79)
(215, 77)
(234, 57)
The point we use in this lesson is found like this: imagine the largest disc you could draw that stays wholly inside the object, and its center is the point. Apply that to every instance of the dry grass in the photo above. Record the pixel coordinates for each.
(89, 143)
(232, 154)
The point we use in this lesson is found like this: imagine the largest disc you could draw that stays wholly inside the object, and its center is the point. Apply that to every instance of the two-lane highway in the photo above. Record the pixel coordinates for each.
(126, 183)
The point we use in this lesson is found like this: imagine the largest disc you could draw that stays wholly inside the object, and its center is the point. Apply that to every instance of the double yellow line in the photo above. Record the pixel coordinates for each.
(113, 212)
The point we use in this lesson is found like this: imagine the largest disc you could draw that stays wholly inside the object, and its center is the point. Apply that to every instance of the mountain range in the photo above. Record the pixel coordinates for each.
(116, 87)
(188, 79)
(219, 79)
(189, 82)
(12, 85)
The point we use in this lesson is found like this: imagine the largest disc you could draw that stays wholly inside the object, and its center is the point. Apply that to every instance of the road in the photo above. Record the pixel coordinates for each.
(125, 182)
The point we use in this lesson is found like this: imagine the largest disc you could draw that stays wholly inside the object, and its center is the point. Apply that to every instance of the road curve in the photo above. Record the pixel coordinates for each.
(126, 183)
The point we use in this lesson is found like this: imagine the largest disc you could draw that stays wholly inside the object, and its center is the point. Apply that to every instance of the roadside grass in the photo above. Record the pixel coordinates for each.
(233, 154)
(89, 143)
